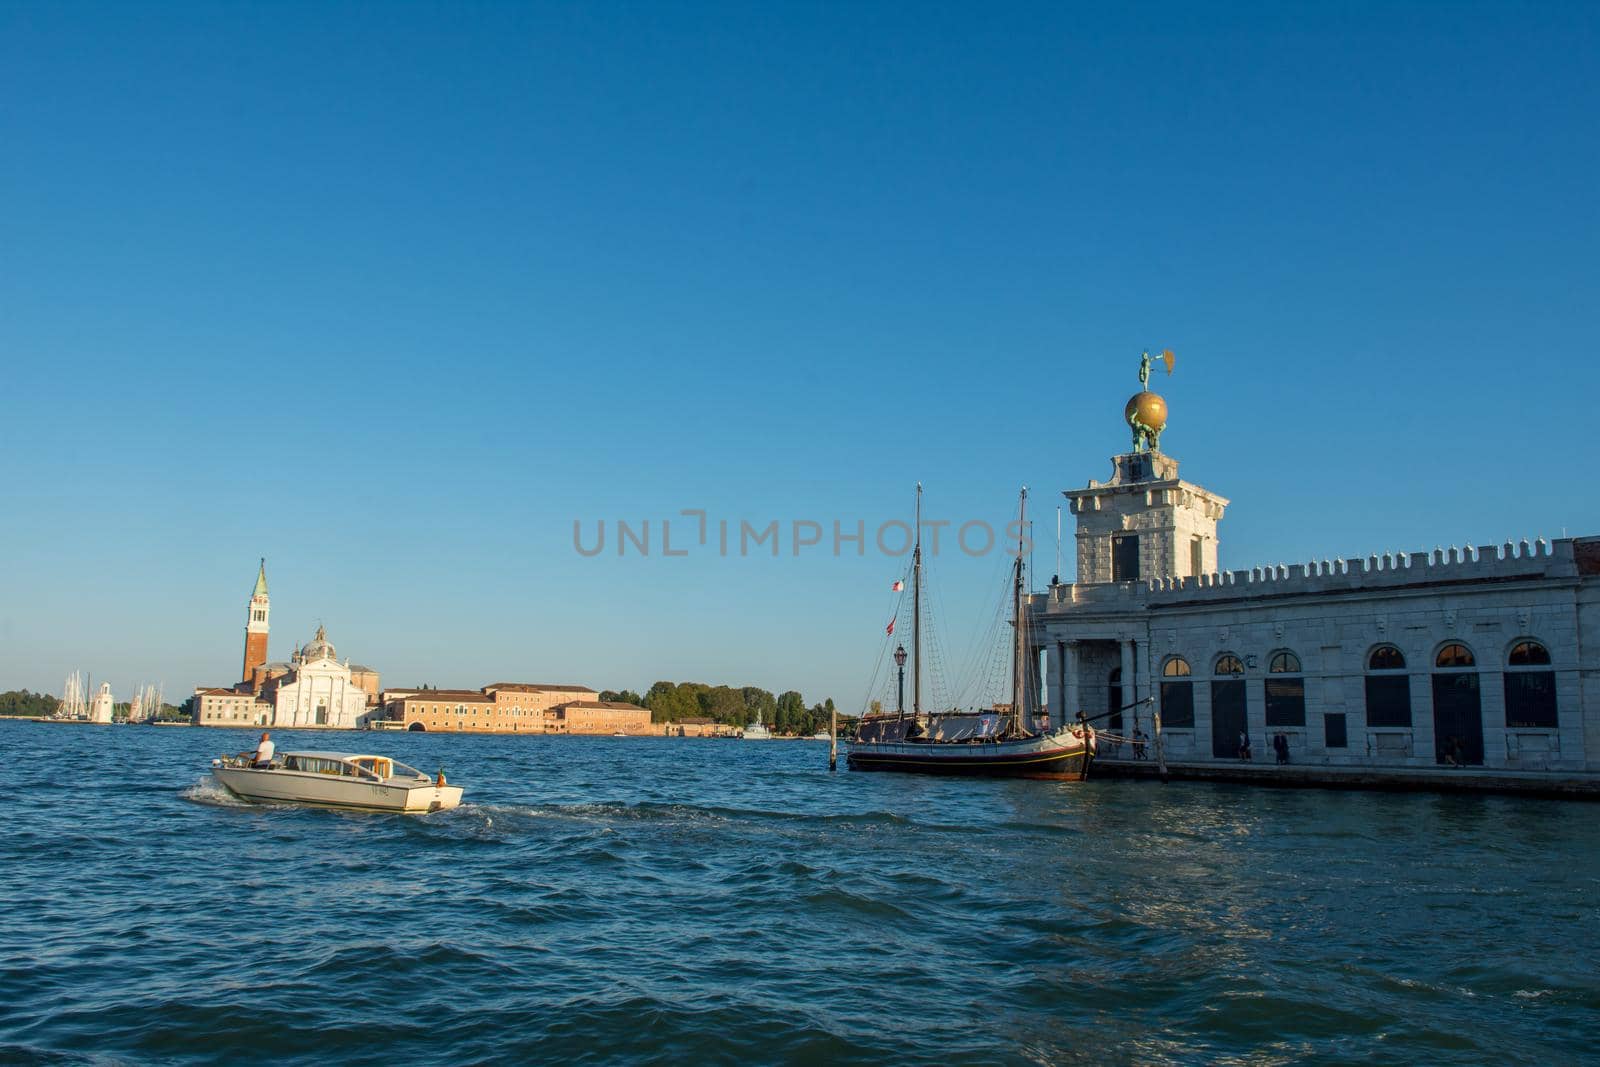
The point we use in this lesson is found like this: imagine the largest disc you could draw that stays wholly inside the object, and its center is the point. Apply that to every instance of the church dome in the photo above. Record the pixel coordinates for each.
(1149, 408)
(319, 648)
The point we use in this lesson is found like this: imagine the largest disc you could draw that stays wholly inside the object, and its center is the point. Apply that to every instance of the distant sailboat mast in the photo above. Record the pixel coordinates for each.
(916, 616)
(1019, 668)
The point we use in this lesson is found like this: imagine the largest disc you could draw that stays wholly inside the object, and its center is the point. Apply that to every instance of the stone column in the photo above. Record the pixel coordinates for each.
(1071, 706)
(1055, 671)
(1129, 686)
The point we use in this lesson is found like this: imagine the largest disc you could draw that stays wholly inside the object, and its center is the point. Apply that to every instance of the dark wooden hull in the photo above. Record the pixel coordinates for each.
(978, 760)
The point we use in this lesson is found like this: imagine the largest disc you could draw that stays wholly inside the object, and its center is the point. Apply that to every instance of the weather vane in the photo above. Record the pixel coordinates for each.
(1146, 411)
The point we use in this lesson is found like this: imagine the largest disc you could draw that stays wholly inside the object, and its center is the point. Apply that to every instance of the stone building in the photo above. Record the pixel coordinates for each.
(102, 706)
(318, 690)
(1469, 656)
(513, 707)
(603, 717)
(439, 710)
(229, 707)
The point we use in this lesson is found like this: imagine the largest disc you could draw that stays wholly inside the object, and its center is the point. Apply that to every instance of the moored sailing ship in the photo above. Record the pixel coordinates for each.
(1001, 742)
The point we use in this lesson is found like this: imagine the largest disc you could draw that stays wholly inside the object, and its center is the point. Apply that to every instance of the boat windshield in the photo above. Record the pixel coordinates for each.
(402, 771)
(374, 767)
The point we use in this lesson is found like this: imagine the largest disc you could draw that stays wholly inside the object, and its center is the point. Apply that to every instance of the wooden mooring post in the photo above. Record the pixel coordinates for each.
(833, 740)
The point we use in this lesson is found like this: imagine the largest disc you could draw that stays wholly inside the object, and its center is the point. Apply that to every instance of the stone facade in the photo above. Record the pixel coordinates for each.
(318, 692)
(229, 707)
(1449, 657)
(511, 708)
(1144, 522)
(603, 717)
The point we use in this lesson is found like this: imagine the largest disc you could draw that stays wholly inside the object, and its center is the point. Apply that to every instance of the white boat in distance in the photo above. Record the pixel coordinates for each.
(757, 731)
(336, 780)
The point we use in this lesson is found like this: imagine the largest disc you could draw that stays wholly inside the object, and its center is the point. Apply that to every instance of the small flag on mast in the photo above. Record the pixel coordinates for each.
(890, 630)
(898, 585)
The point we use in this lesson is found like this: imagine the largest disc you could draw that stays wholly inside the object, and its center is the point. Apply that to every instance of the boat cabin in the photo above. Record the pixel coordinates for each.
(348, 765)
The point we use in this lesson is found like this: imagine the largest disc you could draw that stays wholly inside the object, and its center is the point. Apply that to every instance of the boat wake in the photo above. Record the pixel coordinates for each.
(209, 791)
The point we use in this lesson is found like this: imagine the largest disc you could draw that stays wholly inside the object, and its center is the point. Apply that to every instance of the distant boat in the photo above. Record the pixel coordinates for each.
(820, 735)
(757, 731)
(993, 744)
(619, 733)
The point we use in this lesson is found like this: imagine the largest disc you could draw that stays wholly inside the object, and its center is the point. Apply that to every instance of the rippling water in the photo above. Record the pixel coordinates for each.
(598, 899)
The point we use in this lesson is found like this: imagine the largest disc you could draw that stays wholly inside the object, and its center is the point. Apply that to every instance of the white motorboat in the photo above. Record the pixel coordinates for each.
(336, 780)
(757, 731)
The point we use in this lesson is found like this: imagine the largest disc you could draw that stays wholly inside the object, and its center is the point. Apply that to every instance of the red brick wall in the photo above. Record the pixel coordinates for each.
(255, 654)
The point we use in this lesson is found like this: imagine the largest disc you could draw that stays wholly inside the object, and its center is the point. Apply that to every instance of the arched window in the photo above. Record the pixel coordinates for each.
(1388, 688)
(1386, 658)
(1457, 707)
(1177, 694)
(1228, 663)
(1528, 654)
(1530, 687)
(1286, 690)
(1284, 663)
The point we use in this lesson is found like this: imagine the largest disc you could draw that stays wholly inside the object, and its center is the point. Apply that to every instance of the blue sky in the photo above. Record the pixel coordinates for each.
(391, 294)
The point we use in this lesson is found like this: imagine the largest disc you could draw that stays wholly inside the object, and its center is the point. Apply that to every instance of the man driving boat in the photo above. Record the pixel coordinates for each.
(265, 751)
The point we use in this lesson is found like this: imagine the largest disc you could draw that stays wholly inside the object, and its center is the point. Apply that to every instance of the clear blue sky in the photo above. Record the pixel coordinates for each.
(392, 293)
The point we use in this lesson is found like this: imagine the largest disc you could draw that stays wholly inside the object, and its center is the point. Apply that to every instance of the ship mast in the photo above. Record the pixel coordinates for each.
(1019, 670)
(916, 615)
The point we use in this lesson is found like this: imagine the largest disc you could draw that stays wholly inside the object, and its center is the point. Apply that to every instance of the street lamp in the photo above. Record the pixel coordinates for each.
(900, 664)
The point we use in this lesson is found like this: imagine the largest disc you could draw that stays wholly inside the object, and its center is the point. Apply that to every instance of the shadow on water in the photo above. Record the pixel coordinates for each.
(602, 900)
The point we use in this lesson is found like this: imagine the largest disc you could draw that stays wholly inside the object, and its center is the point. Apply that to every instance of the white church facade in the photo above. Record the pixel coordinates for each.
(1467, 657)
(318, 690)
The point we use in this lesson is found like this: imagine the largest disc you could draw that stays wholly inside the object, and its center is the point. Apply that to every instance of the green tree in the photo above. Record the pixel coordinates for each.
(22, 702)
(791, 710)
(669, 702)
(759, 706)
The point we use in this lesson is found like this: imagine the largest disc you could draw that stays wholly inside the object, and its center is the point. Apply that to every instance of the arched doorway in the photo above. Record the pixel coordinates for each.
(416, 728)
(1457, 707)
(1228, 722)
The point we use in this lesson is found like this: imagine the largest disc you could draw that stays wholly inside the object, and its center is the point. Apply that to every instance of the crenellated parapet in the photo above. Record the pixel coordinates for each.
(1539, 558)
(1525, 559)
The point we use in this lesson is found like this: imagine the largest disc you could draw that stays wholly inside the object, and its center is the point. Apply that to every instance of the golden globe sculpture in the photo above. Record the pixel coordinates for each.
(1147, 409)
(1146, 412)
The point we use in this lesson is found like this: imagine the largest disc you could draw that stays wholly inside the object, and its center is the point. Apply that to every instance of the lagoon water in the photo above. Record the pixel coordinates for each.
(607, 900)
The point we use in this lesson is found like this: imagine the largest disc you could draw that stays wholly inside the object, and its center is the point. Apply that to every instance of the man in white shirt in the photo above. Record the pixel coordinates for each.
(265, 750)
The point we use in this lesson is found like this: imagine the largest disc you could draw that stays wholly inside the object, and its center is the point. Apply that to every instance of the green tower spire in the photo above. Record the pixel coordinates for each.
(261, 579)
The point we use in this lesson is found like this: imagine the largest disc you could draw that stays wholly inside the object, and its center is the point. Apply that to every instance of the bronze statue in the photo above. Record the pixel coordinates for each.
(1146, 412)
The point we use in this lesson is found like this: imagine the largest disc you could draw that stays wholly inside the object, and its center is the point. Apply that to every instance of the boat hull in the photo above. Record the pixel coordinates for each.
(1061, 755)
(320, 790)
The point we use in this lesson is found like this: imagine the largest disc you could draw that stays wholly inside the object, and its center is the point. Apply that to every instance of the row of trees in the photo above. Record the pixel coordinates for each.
(674, 701)
(22, 702)
(41, 705)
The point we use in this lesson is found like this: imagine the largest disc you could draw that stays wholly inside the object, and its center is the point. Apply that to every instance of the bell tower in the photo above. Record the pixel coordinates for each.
(1145, 522)
(255, 628)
